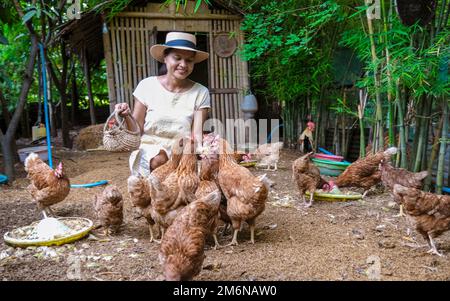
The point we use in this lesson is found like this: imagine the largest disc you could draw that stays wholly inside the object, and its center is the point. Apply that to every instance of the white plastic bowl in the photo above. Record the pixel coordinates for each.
(41, 151)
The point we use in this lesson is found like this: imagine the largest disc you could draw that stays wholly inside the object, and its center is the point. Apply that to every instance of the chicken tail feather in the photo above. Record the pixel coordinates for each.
(31, 158)
(391, 151)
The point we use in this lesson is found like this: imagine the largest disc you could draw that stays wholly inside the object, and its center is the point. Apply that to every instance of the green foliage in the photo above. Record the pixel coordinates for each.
(289, 44)
(414, 57)
(12, 58)
(183, 4)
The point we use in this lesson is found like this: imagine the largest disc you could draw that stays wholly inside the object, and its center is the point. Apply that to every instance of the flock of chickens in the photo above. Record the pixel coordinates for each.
(187, 205)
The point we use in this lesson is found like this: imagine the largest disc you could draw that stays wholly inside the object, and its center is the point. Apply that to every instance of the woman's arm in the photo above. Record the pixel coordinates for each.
(197, 129)
(139, 113)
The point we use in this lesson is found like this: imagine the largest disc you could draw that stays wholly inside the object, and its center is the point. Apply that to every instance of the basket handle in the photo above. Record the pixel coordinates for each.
(121, 122)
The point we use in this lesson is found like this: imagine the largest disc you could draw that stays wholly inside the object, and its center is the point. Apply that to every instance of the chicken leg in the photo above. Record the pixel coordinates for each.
(234, 240)
(216, 242)
(311, 199)
(251, 223)
(433, 249)
(152, 237)
(401, 213)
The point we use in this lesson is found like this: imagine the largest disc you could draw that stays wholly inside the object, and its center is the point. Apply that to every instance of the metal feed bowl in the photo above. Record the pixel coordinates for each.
(12, 239)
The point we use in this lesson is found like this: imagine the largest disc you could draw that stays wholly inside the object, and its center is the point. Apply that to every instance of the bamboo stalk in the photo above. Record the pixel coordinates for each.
(133, 31)
(402, 134)
(422, 136)
(139, 63)
(444, 137)
(379, 138)
(109, 68)
(114, 37)
(434, 151)
(388, 73)
(129, 83)
(120, 59)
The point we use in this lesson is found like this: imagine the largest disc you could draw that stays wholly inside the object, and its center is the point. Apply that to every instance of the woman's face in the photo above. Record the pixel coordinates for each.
(180, 63)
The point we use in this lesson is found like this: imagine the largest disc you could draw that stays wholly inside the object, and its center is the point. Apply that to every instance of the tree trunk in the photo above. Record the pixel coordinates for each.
(87, 74)
(74, 97)
(5, 112)
(7, 140)
(62, 91)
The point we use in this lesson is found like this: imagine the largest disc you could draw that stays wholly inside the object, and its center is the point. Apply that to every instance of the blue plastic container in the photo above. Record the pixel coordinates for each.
(3, 179)
(330, 168)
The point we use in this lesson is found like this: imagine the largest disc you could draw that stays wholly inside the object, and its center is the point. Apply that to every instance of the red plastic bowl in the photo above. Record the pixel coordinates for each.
(329, 157)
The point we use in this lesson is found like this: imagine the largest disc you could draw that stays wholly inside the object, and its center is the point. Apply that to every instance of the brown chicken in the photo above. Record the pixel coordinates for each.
(307, 177)
(391, 176)
(108, 207)
(430, 212)
(365, 172)
(182, 247)
(139, 191)
(269, 155)
(208, 172)
(246, 194)
(48, 186)
(204, 188)
(177, 190)
(171, 165)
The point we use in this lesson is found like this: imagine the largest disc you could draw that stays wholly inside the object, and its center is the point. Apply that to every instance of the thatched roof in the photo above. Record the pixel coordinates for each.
(86, 32)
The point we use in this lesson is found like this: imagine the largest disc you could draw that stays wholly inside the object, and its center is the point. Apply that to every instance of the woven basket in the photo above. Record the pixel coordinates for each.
(119, 138)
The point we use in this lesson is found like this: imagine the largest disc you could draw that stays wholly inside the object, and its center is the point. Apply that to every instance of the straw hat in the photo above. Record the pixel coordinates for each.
(178, 40)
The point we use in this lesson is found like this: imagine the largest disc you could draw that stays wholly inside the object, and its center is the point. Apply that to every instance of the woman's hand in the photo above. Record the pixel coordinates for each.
(123, 109)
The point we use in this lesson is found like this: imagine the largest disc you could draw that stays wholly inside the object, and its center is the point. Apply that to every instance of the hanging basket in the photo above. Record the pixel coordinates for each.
(118, 138)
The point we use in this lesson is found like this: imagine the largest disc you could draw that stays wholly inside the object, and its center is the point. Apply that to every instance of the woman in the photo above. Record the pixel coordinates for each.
(169, 106)
(306, 140)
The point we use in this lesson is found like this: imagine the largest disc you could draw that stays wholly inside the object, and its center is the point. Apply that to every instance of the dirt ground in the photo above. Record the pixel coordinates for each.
(329, 241)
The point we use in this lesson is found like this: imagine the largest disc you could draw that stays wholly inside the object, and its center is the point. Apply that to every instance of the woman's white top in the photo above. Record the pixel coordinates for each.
(169, 116)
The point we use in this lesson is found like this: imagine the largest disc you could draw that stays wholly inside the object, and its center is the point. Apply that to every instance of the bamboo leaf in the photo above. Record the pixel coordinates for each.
(28, 16)
(197, 5)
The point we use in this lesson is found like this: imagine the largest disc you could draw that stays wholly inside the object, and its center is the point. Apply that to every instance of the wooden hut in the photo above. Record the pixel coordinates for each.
(127, 39)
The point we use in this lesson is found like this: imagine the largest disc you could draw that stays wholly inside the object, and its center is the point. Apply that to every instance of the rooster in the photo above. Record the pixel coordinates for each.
(48, 186)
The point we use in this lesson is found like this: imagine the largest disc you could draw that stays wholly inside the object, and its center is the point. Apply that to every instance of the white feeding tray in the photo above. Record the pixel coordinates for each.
(50, 231)
(41, 151)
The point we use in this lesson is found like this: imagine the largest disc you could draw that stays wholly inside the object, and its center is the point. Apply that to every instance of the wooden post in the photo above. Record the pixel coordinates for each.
(87, 75)
(74, 91)
(109, 68)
